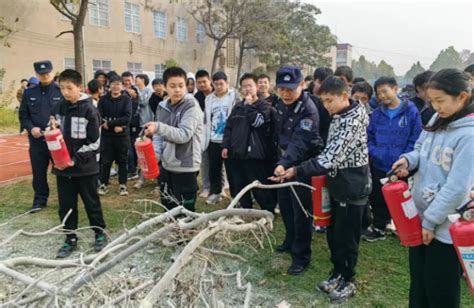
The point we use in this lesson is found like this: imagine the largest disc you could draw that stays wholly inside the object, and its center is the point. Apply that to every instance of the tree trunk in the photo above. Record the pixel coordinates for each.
(239, 65)
(78, 24)
(219, 45)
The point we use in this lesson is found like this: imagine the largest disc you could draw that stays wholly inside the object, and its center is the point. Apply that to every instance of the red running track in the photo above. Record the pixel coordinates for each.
(14, 158)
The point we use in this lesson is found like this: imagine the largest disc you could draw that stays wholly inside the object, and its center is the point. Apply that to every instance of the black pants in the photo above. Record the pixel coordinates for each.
(68, 190)
(367, 216)
(114, 148)
(242, 172)
(40, 158)
(132, 153)
(380, 211)
(435, 276)
(298, 227)
(215, 167)
(178, 189)
(343, 237)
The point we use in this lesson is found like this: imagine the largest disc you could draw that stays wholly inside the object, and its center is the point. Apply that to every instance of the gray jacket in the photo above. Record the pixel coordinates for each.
(180, 129)
(144, 111)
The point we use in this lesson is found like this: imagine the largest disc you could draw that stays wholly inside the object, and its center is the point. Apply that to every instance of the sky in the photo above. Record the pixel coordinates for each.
(400, 32)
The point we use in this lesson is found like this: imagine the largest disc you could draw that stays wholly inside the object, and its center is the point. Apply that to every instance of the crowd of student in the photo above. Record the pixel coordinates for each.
(335, 125)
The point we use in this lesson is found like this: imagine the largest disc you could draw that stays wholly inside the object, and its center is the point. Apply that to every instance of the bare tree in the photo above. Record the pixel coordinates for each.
(77, 17)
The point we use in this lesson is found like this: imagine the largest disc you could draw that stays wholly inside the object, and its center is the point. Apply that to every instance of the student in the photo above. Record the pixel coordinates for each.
(445, 177)
(101, 76)
(115, 109)
(219, 105)
(320, 74)
(204, 86)
(345, 162)
(158, 94)
(346, 73)
(96, 90)
(245, 145)
(80, 125)
(296, 125)
(191, 84)
(362, 92)
(23, 87)
(394, 128)
(144, 110)
(424, 107)
(265, 89)
(180, 126)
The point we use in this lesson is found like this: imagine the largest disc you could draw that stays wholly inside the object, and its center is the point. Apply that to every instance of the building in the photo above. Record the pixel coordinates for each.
(134, 35)
(344, 54)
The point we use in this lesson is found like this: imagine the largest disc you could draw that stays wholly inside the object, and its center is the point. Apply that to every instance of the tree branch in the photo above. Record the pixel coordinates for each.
(64, 32)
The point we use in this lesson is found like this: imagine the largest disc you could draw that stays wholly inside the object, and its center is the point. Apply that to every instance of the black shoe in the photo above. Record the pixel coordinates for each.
(331, 283)
(375, 235)
(37, 207)
(344, 291)
(320, 230)
(296, 269)
(282, 248)
(100, 242)
(68, 247)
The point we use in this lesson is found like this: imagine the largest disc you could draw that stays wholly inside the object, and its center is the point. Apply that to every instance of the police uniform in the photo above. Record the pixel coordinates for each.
(297, 128)
(35, 111)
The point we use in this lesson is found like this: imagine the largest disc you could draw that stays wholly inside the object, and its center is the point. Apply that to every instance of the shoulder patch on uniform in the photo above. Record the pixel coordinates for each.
(306, 124)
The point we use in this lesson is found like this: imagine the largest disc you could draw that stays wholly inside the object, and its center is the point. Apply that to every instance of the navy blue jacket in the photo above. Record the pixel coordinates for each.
(36, 106)
(297, 130)
(390, 138)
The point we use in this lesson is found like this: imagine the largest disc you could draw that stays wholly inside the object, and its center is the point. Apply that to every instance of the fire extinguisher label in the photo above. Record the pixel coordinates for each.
(326, 202)
(142, 161)
(54, 145)
(467, 256)
(409, 209)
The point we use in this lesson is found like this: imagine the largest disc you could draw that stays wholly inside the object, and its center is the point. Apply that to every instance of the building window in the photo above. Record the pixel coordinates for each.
(134, 68)
(104, 65)
(231, 54)
(159, 69)
(200, 33)
(99, 12)
(181, 29)
(159, 24)
(69, 63)
(132, 17)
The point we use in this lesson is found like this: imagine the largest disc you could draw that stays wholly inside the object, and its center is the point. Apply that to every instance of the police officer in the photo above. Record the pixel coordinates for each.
(35, 110)
(297, 130)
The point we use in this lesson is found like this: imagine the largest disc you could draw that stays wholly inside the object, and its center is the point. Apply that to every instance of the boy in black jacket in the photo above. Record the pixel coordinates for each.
(245, 144)
(115, 108)
(79, 122)
(346, 163)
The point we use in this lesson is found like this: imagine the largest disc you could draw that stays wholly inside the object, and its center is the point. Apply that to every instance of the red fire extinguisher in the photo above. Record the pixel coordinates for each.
(57, 147)
(321, 201)
(462, 233)
(403, 211)
(147, 158)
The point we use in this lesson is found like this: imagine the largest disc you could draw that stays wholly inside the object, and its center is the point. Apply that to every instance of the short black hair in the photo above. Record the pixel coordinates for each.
(359, 79)
(173, 71)
(364, 87)
(345, 71)
(99, 73)
(72, 76)
(385, 80)
(422, 79)
(202, 73)
(248, 76)
(94, 85)
(157, 81)
(333, 85)
(111, 73)
(321, 73)
(262, 76)
(219, 76)
(470, 69)
(115, 78)
(24, 80)
(127, 74)
(145, 78)
(308, 78)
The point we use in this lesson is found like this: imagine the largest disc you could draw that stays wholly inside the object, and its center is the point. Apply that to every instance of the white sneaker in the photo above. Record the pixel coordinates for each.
(103, 190)
(204, 194)
(223, 194)
(123, 190)
(213, 199)
(139, 184)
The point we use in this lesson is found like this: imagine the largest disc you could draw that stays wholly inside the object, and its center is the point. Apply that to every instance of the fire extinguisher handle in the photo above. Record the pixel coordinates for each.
(464, 208)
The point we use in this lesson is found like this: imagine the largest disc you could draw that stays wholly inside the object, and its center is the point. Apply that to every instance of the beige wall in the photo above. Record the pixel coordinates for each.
(38, 24)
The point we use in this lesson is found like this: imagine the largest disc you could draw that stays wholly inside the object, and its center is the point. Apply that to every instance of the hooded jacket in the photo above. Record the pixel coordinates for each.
(180, 129)
(116, 111)
(144, 111)
(80, 126)
(389, 138)
(445, 176)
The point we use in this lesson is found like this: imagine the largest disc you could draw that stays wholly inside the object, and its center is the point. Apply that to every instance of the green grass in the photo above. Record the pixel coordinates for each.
(382, 272)
(9, 122)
